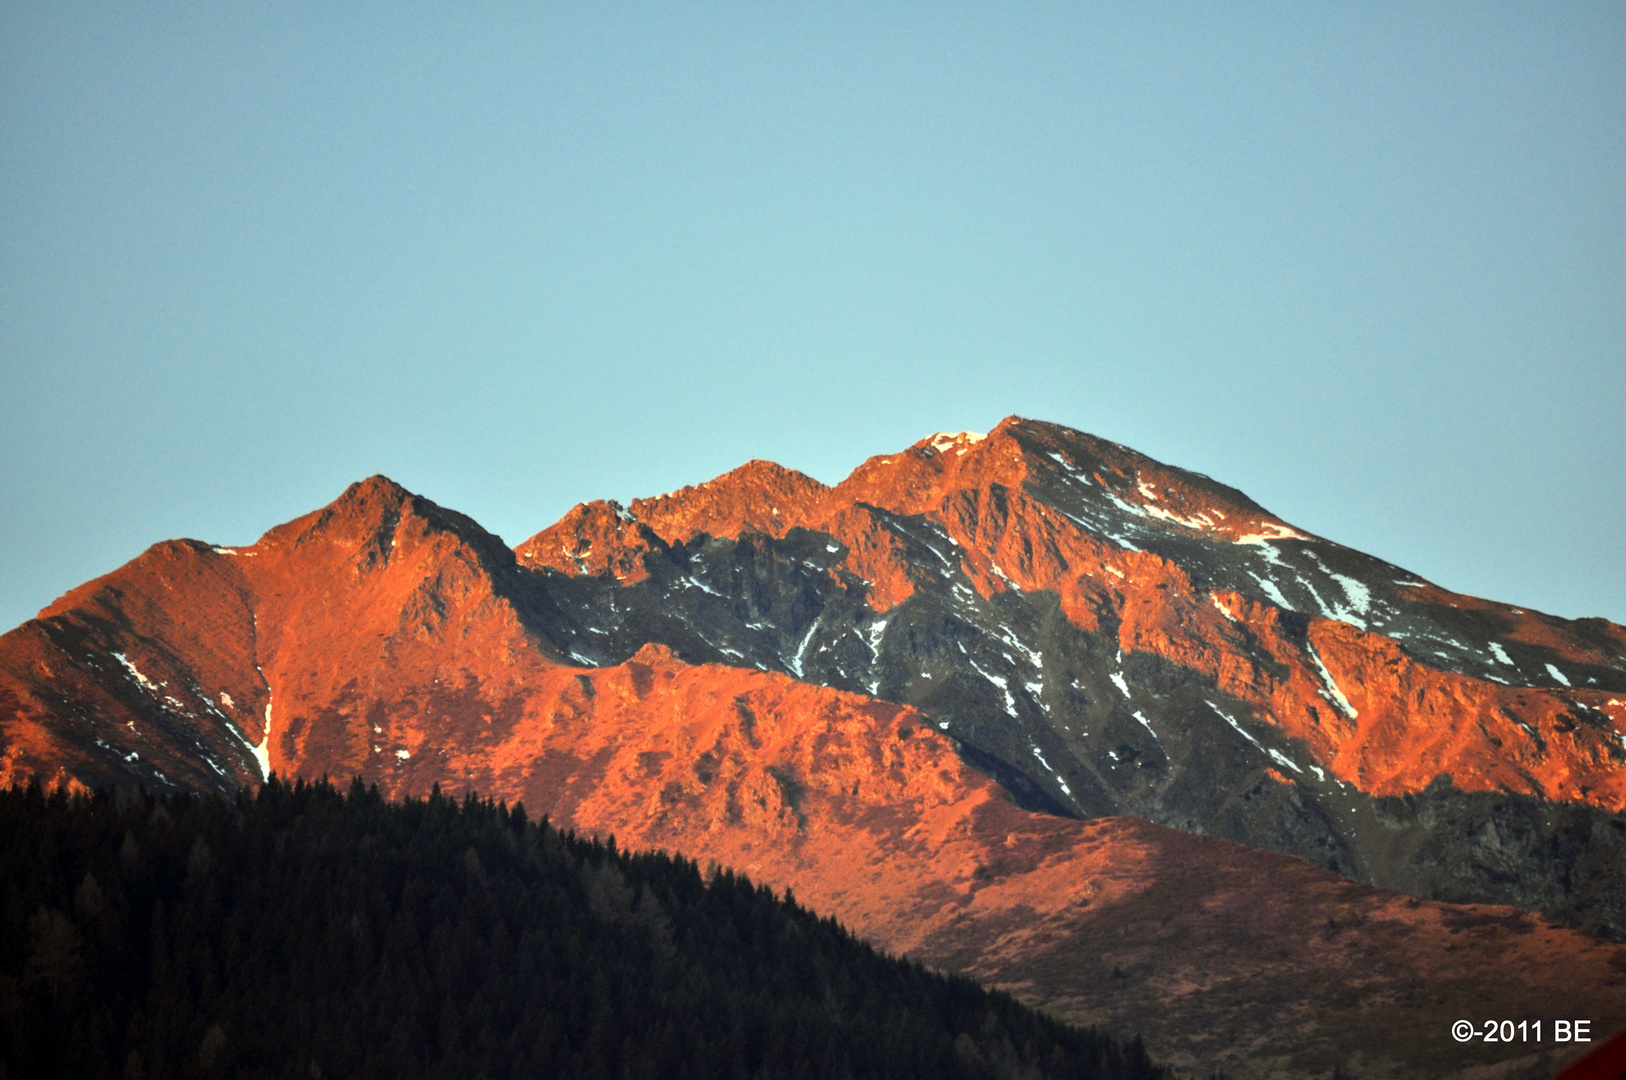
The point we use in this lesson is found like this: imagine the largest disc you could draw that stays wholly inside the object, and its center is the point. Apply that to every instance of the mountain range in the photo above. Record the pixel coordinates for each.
(1028, 706)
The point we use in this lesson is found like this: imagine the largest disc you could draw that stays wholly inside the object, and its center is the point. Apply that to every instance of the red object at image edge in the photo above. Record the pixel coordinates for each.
(1605, 1062)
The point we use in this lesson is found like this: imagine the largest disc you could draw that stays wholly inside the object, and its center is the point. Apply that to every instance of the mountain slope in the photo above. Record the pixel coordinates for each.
(1102, 635)
(1108, 635)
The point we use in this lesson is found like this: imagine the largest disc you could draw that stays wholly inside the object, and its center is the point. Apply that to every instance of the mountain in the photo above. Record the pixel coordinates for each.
(1108, 635)
(1029, 706)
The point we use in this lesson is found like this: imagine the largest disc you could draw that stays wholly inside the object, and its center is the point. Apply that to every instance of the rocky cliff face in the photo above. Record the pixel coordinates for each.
(814, 684)
(1107, 635)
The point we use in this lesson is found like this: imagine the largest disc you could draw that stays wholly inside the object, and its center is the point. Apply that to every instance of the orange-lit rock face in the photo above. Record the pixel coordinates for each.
(597, 538)
(758, 496)
(1041, 510)
(329, 632)
(1109, 635)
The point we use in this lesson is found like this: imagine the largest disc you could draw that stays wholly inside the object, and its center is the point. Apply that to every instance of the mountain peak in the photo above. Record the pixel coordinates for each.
(759, 495)
(596, 538)
(370, 516)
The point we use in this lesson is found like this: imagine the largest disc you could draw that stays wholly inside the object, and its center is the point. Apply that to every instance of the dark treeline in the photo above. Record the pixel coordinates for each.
(301, 932)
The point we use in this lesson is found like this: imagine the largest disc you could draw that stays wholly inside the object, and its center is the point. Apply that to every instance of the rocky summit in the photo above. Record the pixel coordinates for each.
(1027, 705)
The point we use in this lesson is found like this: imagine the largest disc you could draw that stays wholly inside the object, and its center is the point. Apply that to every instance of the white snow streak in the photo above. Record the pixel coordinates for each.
(1059, 781)
(1272, 591)
(146, 683)
(1282, 759)
(1330, 689)
(1230, 720)
(1004, 687)
(262, 752)
(795, 662)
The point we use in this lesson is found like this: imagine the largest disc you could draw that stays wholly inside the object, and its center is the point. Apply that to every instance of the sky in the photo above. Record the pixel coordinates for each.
(1368, 266)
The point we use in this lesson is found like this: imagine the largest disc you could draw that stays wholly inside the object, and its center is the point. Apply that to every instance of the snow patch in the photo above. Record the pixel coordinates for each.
(1500, 653)
(1232, 721)
(1004, 687)
(1004, 634)
(1271, 530)
(1359, 596)
(1559, 675)
(261, 753)
(690, 579)
(1282, 759)
(795, 662)
(958, 441)
(402, 755)
(1270, 590)
(1330, 689)
(1221, 608)
(149, 686)
(1068, 467)
(1059, 781)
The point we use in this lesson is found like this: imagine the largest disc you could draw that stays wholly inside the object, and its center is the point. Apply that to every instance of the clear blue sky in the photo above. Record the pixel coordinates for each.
(1367, 265)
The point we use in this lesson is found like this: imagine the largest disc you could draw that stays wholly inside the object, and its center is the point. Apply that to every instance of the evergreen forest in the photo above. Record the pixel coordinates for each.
(301, 931)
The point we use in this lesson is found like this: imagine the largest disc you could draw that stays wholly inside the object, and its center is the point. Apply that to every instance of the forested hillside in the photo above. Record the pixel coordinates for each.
(301, 932)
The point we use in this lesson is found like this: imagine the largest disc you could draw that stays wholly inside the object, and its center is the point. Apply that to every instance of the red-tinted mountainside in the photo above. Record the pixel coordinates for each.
(815, 685)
